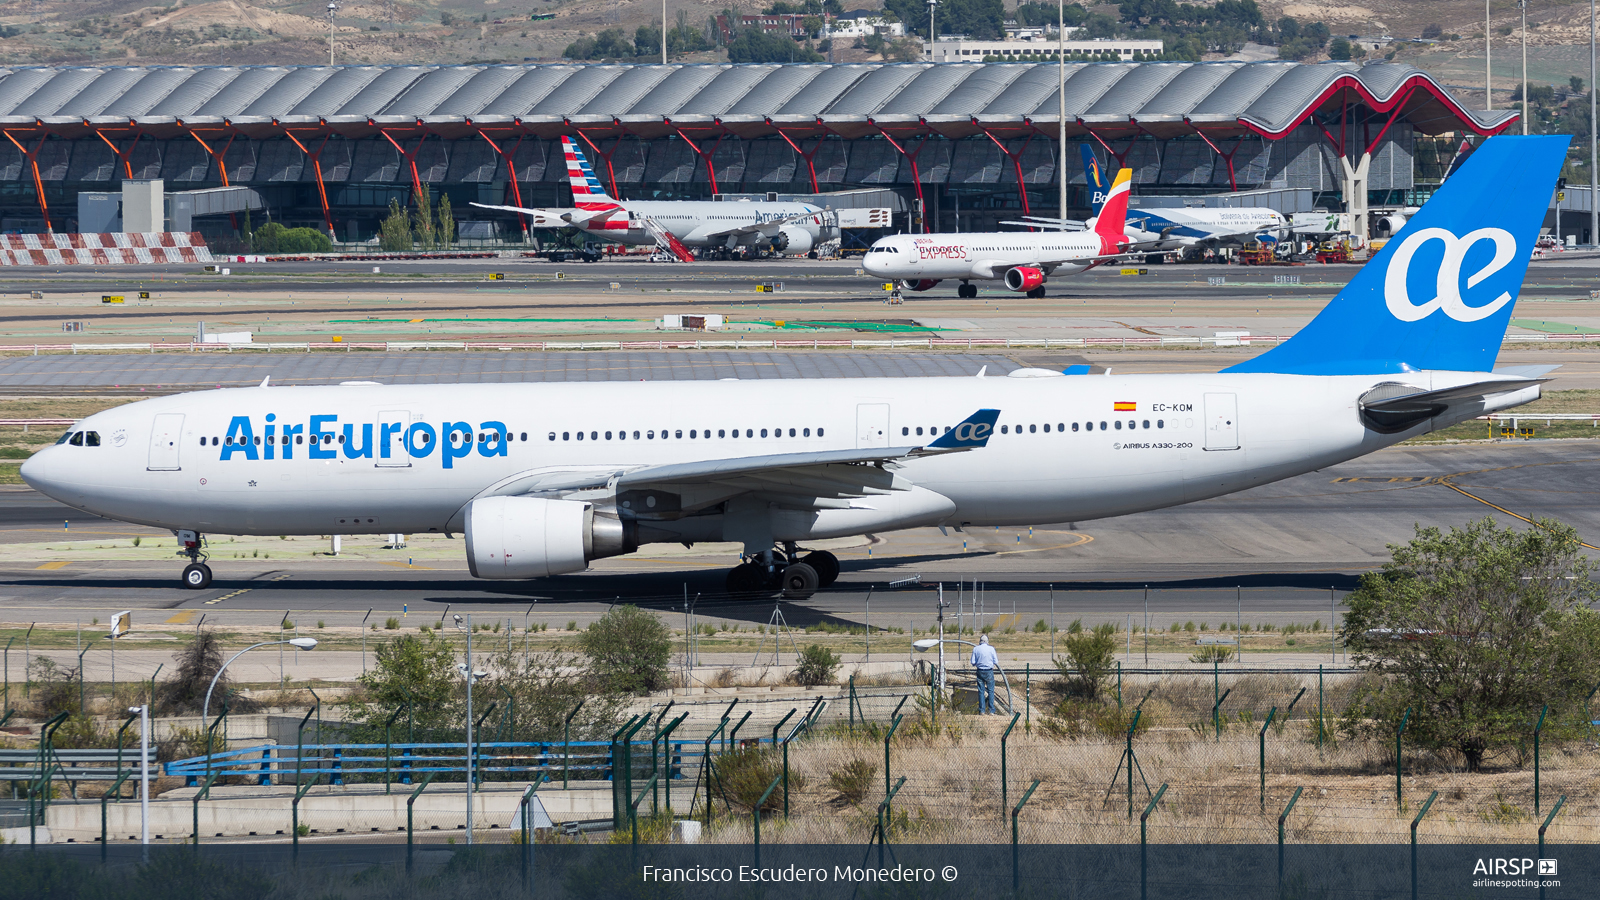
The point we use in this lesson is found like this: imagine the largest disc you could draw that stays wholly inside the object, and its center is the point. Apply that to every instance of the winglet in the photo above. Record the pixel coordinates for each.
(973, 432)
(265, 380)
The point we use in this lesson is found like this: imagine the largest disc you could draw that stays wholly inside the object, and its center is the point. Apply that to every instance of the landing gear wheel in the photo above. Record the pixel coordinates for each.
(197, 576)
(799, 582)
(826, 564)
(967, 291)
(1036, 293)
(746, 578)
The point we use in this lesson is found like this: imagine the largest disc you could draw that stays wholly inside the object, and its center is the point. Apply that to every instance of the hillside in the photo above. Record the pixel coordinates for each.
(237, 32)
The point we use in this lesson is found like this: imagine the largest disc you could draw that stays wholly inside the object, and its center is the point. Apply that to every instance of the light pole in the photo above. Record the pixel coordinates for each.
(1523, 5)
(1488, 66)
(663, 32)
(1061, 109)
(1594, 151)
(299, 644)
(332, 8)
(932, 36)
(144, 774)
(471, 675)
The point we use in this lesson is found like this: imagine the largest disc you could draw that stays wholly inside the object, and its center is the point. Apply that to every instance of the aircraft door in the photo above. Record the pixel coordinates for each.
(872, 425)
(393, 452)
(1222, 422)
(166, 435)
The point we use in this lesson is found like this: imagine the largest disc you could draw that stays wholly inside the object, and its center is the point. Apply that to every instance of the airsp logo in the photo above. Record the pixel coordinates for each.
(1448, 293)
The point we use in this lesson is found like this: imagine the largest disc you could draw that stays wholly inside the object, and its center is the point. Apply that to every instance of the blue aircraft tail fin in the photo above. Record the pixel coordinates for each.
(1439, 295)
(1095, 177)
(973, 432)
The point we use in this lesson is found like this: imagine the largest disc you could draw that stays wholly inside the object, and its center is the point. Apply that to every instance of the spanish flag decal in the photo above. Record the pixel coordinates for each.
(1125, 406)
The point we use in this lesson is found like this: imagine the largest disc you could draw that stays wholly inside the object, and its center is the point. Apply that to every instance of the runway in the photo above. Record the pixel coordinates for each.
(1271, 554)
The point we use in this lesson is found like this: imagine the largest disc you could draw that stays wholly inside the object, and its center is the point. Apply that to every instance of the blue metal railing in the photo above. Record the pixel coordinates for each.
(591, 760)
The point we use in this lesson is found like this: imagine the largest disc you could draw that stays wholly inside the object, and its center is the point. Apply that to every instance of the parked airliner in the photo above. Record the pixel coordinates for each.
(1173, 228)
(1024, 260)
(791, 228)
(543, 479)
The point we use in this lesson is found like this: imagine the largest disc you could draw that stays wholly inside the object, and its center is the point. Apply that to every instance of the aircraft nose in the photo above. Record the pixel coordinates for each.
(45, 473)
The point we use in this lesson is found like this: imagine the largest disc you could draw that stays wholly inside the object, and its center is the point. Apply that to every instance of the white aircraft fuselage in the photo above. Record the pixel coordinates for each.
(240, 461)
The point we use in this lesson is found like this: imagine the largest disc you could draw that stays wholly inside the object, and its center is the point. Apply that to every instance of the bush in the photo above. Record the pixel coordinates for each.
(1211, 653)
(274, 238)
(747, 773)
(854, 779)
(1090, 657)
(817, 666)
(628, 650)
(391, 624)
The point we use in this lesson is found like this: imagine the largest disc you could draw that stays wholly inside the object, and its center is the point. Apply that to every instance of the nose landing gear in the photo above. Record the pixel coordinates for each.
(196, 575)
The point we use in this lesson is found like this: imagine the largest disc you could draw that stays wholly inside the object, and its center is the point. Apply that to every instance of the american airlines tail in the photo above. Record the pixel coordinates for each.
(587, 194)
(1437, 296)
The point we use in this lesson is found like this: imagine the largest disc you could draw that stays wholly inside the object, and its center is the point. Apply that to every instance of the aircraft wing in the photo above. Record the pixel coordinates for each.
(821, 476)
(763, 227)
(543, 218)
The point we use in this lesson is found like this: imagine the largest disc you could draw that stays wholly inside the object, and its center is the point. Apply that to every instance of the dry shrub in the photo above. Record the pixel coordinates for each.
(853, 779)
(745, 774)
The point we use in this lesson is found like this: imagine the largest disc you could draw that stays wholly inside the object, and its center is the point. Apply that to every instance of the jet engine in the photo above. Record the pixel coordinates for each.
(1024, 278)
(1388, 226)
(531, 537)
(925, 284)
(793, 240)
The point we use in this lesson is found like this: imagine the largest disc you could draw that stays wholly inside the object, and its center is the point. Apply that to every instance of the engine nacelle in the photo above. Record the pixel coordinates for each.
(1388, 226)
(792, 239)
(531, 537)
(925, 284)
(1023, 278)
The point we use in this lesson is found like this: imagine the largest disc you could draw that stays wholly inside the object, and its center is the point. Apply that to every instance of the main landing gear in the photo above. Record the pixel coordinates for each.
(772, 571)
(1036, 293)
(966, 290)
(196, 575)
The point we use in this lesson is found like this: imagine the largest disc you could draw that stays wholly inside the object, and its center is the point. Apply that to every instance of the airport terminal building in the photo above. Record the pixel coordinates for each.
(969, 144)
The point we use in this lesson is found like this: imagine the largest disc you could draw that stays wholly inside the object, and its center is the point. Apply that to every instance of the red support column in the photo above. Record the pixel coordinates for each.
(611, 172)
(916, 176)
(811, 168)
(1233, 184)
(1016, 163)
(410, 158)
(316, 165)
(511, 173)
(216, 155)
(711, 172)
(32, 156)
(124, 156)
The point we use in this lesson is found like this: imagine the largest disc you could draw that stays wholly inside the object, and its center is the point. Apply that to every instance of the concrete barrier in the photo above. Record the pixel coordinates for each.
(243, 811)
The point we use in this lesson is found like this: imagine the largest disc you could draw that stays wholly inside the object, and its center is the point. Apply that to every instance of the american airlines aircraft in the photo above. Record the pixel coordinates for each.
(543, 479)
(1024, 260)
(792, 228)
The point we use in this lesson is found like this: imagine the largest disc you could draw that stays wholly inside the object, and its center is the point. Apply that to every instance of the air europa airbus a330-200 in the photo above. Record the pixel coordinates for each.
(545, 478)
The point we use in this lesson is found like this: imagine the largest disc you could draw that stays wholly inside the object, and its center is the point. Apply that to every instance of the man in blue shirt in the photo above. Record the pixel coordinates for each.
(985, 660)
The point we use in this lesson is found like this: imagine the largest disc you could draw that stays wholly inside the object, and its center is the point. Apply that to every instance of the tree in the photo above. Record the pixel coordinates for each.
(447, 221)
(628, 650)
(1575, 84)
(422, 225)
(647, 41)
(756, 46)
(414, 672)
(394, 235)
(1474, 631)
(1089, 659)
(1432, 32)
(1339, 49)
(980, 19)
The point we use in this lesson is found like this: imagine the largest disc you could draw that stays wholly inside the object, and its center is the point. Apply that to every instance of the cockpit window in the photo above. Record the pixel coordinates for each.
(63, 438)
(77, 439)
(91, 438)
